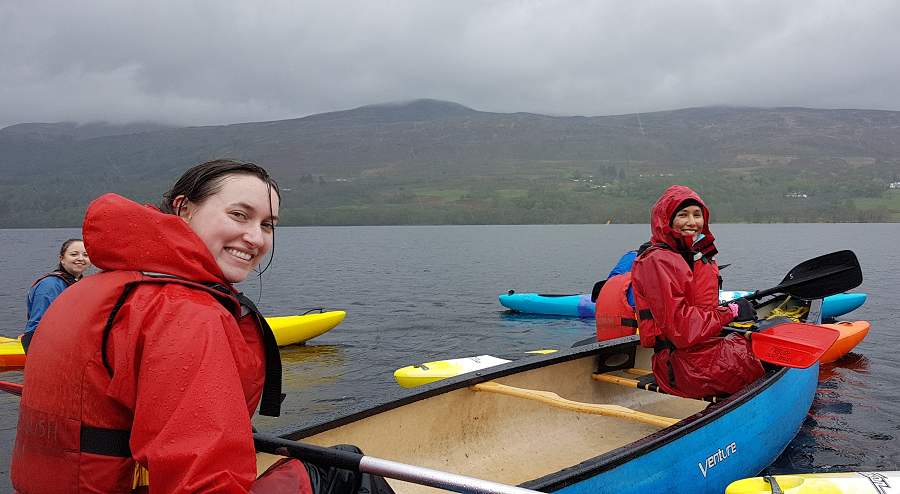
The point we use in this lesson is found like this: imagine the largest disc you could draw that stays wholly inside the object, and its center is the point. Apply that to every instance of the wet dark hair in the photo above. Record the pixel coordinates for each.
(206, 179)
(63, 249)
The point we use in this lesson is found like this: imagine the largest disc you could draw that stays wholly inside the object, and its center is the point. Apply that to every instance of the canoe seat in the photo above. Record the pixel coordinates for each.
(644, 381)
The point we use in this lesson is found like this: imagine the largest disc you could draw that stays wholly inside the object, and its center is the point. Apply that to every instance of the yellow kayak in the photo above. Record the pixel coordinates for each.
(291, 330)
(288, 330)
(417, 375)
(429, 372)
(821, 483)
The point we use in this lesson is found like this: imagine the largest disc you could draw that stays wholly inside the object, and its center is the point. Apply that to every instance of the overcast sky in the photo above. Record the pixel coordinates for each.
(227, 61)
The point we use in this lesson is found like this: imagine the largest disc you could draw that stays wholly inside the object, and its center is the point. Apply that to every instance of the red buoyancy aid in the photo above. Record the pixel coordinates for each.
(66, 413)
(615, 316)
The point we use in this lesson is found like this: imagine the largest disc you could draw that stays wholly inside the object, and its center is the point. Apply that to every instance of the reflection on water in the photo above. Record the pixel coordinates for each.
(851, 361)
(829, 439)
(309, 373)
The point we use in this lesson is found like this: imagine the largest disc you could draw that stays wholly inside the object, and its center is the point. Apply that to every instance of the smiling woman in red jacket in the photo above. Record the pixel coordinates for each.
(157, 360)
(676, 291)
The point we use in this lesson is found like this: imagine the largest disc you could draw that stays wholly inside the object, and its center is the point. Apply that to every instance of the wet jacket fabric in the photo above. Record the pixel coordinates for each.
(179, 367)
(676, 289)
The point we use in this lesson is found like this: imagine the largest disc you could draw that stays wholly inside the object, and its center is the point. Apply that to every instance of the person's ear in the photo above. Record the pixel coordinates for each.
(182, 207)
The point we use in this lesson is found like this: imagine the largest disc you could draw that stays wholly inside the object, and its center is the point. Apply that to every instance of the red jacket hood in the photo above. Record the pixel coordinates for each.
(662, 214)
(121, 234)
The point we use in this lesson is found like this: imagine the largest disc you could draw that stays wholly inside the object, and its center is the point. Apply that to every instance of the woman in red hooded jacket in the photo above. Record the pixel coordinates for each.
(157, 363)
(676, 291)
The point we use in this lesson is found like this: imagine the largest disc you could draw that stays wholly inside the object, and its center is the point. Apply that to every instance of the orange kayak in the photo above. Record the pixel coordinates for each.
(852, 332)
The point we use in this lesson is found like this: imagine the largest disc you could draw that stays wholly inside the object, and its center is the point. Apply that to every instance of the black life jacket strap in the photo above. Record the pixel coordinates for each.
(270, 404)
(629, 323)
(661, 345)
(107, 442)
(109, 325)
(645, 314)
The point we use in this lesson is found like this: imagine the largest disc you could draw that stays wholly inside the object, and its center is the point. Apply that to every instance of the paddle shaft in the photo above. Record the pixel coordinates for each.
(385, 468)
(11, 388)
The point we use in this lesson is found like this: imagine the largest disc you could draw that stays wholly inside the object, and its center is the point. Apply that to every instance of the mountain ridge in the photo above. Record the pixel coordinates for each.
(433, 144)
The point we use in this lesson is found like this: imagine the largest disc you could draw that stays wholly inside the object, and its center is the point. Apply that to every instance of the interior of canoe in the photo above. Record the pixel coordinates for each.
(510, 439)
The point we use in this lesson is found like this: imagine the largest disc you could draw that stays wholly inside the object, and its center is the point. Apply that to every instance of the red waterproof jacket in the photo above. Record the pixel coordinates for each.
(178, 368)
(676, 292)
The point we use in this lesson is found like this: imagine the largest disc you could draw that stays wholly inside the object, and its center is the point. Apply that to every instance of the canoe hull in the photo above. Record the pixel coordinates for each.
(581, 305)
(704, 460)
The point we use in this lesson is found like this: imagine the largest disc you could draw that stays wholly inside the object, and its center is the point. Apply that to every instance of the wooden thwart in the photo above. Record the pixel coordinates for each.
(555, 400)
(638, 372)
(649, 386)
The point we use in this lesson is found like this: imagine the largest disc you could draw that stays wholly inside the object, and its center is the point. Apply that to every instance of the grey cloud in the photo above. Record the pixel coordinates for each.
(217, 62)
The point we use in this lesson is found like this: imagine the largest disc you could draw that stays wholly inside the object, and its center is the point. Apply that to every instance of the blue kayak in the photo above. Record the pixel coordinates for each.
(581, 305)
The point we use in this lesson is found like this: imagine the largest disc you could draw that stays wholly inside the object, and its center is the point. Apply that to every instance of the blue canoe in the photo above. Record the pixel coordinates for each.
(470, 425)
(581, 305)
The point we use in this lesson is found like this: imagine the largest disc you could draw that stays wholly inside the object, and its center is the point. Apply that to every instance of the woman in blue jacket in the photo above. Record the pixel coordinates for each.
(73, 262)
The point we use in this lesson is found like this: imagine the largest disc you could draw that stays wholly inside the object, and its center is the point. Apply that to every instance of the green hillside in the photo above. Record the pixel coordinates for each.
(434, 162)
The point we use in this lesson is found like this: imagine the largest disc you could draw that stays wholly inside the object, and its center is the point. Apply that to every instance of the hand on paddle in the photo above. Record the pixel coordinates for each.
(743, 310)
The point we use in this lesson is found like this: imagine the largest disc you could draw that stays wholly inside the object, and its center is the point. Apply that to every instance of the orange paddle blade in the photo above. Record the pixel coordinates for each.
(795, 344)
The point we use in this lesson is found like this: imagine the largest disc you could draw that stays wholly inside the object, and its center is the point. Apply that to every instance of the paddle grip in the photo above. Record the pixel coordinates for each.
(307, 452)
(743, 332)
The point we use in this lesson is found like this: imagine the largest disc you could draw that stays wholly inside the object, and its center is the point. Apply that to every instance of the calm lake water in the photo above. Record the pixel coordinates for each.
(417, 294)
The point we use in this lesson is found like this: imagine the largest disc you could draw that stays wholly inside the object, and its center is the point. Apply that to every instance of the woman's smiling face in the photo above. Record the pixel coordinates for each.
(235, 223)
(689, 222)
(75, 260)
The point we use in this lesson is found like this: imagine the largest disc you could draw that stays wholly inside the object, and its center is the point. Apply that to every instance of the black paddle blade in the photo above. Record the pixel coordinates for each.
(820, 277)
